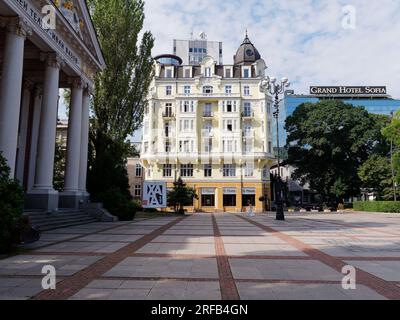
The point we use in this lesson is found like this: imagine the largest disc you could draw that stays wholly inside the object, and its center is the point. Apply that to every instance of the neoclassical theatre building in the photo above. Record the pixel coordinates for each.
(210, 125)
(36, 61)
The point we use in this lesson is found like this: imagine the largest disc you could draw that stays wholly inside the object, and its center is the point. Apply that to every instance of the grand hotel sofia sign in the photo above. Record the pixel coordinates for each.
(337, 91)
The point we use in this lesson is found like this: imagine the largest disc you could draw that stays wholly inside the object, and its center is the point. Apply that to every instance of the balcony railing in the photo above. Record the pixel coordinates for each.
(208, 115)
(248, 114)
(168, 115)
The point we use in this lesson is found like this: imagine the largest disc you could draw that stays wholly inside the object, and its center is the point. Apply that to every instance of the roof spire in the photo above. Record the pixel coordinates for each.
(246, 39)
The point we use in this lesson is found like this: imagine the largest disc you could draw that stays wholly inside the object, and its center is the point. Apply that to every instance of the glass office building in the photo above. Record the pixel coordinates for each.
(377, 104)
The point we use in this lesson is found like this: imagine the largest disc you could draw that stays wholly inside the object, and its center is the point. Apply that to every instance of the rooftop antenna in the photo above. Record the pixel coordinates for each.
(191, 35)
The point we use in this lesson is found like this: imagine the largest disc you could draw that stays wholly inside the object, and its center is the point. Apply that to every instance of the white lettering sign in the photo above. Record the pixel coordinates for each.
(155, 195)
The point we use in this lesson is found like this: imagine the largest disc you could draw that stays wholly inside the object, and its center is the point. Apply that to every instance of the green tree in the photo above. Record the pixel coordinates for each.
(375, 173)
(181, 196)
(11, 208)
(59, 166)
(121, 91)
(392, 135)
(328, 142)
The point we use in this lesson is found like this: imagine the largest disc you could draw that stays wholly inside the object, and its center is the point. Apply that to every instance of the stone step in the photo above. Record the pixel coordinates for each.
(45, 215)
(65, 225)
(61, 219)
(56, 218)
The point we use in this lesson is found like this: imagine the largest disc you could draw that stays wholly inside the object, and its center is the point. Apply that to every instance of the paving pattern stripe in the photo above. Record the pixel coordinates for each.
(79, 236)
(356, 226)
(68, 287)
(176, 255)
(159, 279)
(65, 253)
(352, 258)
(384, 288)
(286, 281)
(227, 283)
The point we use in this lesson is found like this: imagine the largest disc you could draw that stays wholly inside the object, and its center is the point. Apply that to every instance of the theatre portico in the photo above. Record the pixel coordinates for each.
(35, 63)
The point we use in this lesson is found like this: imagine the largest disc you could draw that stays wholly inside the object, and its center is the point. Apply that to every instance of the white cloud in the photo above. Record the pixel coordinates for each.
(301, 39)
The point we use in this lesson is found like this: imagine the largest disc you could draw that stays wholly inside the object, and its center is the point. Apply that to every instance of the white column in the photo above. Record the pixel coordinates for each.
(23, 130)
(37, 108)
(10, 90)
(48, 124)
(84, 142)
(74, 138)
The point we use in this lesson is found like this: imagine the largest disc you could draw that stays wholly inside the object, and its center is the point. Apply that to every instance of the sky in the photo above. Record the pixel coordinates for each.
(305, 40)
(312, 42)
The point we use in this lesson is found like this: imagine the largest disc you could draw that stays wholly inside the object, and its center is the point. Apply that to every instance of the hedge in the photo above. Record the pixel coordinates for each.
(378, 206)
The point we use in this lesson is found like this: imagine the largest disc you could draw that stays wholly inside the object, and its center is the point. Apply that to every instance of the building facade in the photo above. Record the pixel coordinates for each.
(36, 60)
(136, 178)
(210, 125)
(377, 103)
(192, 52)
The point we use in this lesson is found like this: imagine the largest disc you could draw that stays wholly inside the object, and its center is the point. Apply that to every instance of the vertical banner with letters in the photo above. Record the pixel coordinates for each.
(155, 195)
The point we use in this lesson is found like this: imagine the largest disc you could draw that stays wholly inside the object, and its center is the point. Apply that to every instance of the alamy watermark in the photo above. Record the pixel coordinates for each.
(349, 281)
(349, 17)
(49, 280)
(49, 18)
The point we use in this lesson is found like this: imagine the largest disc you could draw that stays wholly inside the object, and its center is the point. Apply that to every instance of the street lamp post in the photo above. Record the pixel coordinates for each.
(273, 87)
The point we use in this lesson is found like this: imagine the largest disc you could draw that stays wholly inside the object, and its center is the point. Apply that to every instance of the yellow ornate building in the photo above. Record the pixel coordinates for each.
(210, 125)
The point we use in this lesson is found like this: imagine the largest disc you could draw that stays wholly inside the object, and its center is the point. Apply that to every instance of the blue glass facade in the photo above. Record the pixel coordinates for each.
(372, 105)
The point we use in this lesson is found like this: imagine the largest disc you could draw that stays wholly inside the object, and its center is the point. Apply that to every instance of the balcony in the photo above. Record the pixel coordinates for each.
(248, 115)
(168, 115)
(208, 115)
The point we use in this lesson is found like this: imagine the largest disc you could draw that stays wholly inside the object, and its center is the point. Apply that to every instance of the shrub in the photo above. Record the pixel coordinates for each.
(378, 206)
(11, 208)
(118, 204)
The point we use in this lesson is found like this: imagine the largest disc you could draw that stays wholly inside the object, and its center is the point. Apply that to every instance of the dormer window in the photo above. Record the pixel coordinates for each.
(169, 72)
(246, 73)
(207, 72)
(187, 73)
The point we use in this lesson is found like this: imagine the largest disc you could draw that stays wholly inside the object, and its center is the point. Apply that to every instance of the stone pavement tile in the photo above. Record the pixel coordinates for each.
(183, 290)
(177, 248)
(92, 294)
(287, 291)
(386, 270)
(185, 239)
(109, 237)
(262, 250)
(32, 265)
(79, 246)
(139, 267)
(283, 270)
(266, 239)
(19, 288)
(172, 231)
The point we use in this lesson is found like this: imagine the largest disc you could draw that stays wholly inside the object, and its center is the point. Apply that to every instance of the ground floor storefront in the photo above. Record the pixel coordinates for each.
(230, 197)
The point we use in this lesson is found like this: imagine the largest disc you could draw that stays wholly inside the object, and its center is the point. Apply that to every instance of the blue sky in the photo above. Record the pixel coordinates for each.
(302, 39)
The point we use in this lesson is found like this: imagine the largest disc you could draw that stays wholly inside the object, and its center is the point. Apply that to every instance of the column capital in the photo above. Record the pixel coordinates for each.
(52, 59)
(77, 83)
(28, 84)
(38, 90)
(16, 25)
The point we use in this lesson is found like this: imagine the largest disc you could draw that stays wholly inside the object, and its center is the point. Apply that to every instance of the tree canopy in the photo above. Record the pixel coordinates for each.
(328, 142)
(392, 134)
(120, 93)
(121, 89)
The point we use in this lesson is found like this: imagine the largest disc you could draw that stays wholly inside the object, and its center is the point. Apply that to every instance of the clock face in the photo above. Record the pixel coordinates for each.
(249, 52)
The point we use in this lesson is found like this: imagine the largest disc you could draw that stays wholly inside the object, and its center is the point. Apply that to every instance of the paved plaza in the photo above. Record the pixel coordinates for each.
(213, 257)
